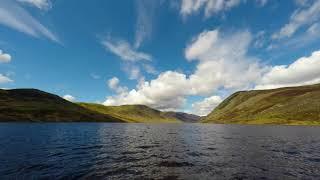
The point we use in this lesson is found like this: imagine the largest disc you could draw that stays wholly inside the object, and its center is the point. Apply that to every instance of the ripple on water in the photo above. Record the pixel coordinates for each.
(175, 164)
(169, 151)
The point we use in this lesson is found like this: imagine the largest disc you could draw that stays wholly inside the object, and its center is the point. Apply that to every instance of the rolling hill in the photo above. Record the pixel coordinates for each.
(32, 105)
(290, 106)
(132, 113)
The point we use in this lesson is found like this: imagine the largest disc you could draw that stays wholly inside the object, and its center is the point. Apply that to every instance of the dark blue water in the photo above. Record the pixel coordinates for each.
(166, 151)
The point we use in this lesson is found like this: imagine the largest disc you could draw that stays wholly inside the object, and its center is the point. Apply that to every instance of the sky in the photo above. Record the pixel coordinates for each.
(172, 55)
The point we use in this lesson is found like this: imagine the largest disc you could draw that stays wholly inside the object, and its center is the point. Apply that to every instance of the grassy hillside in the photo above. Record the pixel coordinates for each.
(131, 113)
(292, 106)
(35, 105)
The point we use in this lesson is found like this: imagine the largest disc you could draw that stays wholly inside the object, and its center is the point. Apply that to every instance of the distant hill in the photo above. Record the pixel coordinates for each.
(132, 113)
(184, 117)
(292, 106)
(33, 105)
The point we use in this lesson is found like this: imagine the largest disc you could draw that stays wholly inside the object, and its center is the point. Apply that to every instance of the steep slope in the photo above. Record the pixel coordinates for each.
(131, 113)
(184, 117)
(292, 105)
(39, 106)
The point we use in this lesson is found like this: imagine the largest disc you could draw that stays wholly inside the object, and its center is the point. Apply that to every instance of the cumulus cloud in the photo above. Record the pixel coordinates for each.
(211, 7)
(4, 58)
(204, 107)
(14, 16)
(222, 63)
(4, 79)
(125, 51)
(113, 84)
(69, 97)
(166, 92)
(300, 18)
(41, 4)
(303, 71)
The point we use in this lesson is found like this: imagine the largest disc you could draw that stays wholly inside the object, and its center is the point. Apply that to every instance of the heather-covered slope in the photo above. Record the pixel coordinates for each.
(184, 117)
(292, 105)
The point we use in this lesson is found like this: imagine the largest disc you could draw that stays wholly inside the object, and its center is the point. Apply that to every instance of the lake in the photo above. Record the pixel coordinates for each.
(158, 151)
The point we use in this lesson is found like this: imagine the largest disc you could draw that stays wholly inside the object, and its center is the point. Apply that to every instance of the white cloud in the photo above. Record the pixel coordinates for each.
(133, 71)
(41, 4)
(113, 84)
(204, 107)
(165, 92)
(4, 58)
(131, 58)
(69, 97)
(14, 16)
(311, 35)
(223, 63)
(211, 7)
(299, 18)
(5, 79)
(125, 51)
(303, 71)
(145, 16)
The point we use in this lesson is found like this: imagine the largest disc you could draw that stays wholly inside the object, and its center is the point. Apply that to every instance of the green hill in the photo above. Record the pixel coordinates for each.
(291, 106)
(31, 105)
(131, 113)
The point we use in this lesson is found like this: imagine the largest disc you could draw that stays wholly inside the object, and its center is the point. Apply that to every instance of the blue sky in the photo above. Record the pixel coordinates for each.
(185, 55)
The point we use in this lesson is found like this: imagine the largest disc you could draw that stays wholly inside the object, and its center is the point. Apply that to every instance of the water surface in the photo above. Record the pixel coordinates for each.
(158, 151)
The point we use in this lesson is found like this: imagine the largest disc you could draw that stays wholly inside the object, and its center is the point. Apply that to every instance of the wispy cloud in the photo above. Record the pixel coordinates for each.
(14, 16)
(125, 51)
(303, 39)
(41, 4)
(211, 7)
(146, 10)
(134, 61)
(300, 18)
(95, 76)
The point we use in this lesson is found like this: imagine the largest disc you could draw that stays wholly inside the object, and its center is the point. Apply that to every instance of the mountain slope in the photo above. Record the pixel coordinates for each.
(292, 105)
(35, 105)
(131, 113)
(184, 117)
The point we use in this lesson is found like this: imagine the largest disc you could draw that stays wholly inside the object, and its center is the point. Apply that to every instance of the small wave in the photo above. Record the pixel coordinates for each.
(174, 164)
(148, 146)
(88, 147)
